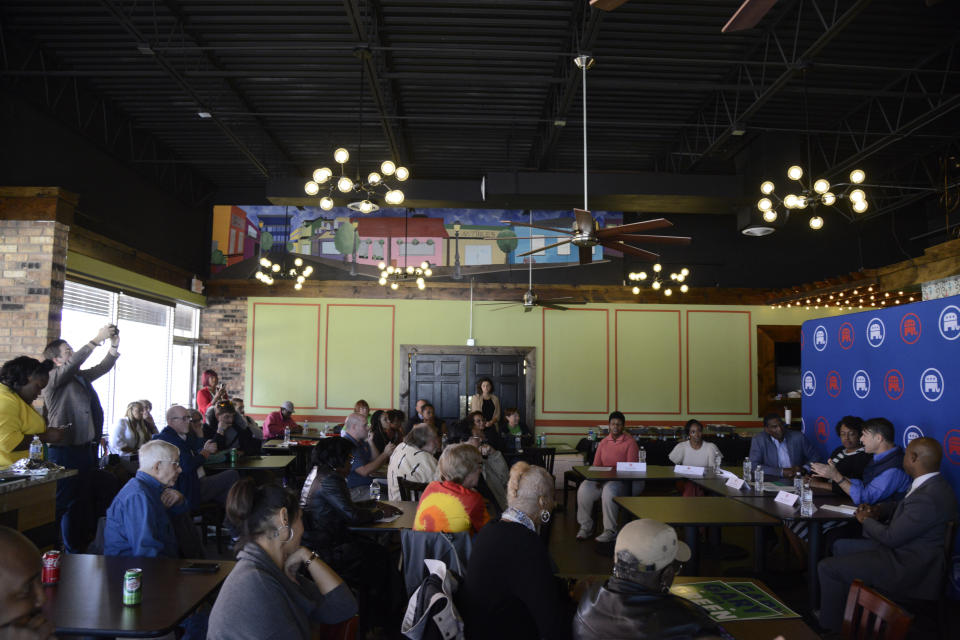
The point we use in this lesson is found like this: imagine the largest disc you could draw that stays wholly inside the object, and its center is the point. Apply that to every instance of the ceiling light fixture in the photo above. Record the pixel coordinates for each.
(657, 283)
(393, 277)
(812, 195)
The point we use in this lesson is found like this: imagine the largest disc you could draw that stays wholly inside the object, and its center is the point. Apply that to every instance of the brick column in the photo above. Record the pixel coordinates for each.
(34, 227)
(223, 338)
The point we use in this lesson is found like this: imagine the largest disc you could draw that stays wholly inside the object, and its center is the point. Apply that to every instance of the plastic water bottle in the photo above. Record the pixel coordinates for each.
(306, 426)
(591, 436)
(806, 498)
(746, 470)
(642, 455)
(374, 490)
(286, 435)
(36, 449)
(516, 443)
(798, 483)
(758, 479)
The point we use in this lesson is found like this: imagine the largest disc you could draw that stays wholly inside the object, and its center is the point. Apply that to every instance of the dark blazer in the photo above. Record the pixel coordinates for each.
(190, 460)
(763, 451)
(66, 399)
(329, 512)
(911, 542)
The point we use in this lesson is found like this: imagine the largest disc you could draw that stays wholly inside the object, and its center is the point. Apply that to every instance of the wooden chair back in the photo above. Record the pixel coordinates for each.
(869, 615)
(541, 456)
(410, 491)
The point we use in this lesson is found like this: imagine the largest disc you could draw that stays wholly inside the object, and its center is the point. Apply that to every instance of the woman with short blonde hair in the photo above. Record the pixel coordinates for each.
(452, 504)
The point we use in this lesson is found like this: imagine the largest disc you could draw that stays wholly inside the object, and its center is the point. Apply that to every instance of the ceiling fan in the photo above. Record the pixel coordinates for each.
(585, 233)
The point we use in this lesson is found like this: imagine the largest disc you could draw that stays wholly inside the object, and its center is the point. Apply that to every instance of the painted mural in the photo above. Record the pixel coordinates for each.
(442, 237)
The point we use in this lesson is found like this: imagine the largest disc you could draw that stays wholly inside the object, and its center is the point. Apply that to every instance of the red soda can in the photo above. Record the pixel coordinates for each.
(51, 567)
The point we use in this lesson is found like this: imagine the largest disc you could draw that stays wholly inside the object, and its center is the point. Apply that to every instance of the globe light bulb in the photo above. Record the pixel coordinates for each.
(383, 273)
(326, 203)
(860, 206)
(311, 188)
(410, 269)
(292, 272)
(828, 198)
(341, 155)
(802, 202)
(308, 271)
(382, 265)
(345, 184)
(424, 264)
(428, 272)
(374, 178)
(821, 186)
(258, 275)
(298, 262)
(636, 290)
(264, 262)
(681, 277)
(301, 279)
(389, 270)
(366, 206)
(857, 176)
(857, 195)
(402, 173)
(388, 167)
(684, 272)
(766, 187)
(322, 174)
(684, 288)
(382, 281)
(657, 267)
(394, 286)
(791, 201)
(770, 215)
(275, 268)
(816, 223)
(656, 285)
(668, 292)
(642, 275)
(394, 196)
(421, 283)
(298, 286)
(795, 172)
(764, 204)
(673, 276)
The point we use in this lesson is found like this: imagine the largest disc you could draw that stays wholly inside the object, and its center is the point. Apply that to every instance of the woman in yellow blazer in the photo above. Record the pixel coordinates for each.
(21, 381)
(486, 403)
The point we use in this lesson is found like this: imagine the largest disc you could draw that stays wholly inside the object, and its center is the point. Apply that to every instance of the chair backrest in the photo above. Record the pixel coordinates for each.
(870, 615)
(452, 548)
(948, 545)
(346, 630)
(410, 491)
(541, 456)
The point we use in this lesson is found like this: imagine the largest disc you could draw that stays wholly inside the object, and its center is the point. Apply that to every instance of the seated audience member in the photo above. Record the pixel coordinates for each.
(512, 428)
(227, 434)
(901, 552)
(21, 594)
(451, 504)
(386, 426)
(328, 512)
(278, 588)
(417, 417)
(430, 418)
(618, 446)
(413, 459)
(494, 471)
(21, 381)
(210, 391)
(780, 451)
(511, 591)
(279, 420)
(488, 434)
(193, 483)
(130, 433)
(636, 602)
(148, 417)
(249, 422)
(363, 408)
(138, 523)
(364, 462)
(883, 477)
(695, 452)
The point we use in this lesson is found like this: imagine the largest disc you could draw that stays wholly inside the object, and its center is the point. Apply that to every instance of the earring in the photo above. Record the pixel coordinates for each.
(276, 532)
(544, 516)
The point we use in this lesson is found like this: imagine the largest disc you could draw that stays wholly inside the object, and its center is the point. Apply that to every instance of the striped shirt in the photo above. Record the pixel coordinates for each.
(410, 463)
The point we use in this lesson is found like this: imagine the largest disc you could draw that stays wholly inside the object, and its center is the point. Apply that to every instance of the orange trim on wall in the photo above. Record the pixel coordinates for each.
(616, 363)
(749, 365)
(393, 324)
(253, 347)
(543, 359)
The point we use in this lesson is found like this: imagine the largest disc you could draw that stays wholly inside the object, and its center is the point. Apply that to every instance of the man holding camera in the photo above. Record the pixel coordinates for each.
(69, 400)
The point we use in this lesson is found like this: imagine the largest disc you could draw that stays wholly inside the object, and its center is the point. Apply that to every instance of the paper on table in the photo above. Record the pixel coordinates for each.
(773, 486)
(842, 508)
(388, 518)
(599, 468)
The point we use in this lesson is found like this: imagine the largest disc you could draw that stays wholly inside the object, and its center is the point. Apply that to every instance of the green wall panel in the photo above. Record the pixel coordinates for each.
(284, 354)
(574, 367)
(359, 355)
(647, 352)
(719, 362)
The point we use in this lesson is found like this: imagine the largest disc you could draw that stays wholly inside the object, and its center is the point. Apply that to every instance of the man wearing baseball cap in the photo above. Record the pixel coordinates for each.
(636, 601)
(277, 421)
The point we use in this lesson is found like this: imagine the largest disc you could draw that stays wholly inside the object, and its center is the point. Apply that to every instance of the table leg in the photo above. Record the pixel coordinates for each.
(692, 534)
(813, 579)
(759, 552)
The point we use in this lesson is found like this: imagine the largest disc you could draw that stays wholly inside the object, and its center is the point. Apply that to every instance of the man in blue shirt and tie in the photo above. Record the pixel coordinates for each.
(779, 451)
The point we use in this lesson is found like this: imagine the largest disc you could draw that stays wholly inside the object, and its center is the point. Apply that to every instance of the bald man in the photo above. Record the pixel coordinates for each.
(21, 595)
(901, 553)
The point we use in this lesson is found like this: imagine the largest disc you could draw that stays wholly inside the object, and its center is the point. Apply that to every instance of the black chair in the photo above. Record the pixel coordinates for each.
(410, 491)
(541, 456)
(210, 514)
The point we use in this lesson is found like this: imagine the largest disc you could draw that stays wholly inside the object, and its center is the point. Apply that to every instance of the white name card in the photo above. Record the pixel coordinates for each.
(735, 483)
(636, 467)
(599, 468)
(784, 497)
(687, 470)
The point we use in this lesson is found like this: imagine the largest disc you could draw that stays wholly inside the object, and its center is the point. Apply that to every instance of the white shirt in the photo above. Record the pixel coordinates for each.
(708, 455)
(919, 480)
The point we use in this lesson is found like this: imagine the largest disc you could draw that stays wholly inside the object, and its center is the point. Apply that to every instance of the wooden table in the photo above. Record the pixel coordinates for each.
(405, 521)
(767, 505)
(717, 486)
(653, 472)
(254, 463)
(88, 600)
(691, 513)
(27, 502)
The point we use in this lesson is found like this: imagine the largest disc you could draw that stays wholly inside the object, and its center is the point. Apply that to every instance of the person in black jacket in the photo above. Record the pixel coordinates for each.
(328, 514)
(636, 602)
(227, 434)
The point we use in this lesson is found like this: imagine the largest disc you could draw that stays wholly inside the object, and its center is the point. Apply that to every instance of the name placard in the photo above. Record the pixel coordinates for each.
(784, 497)
(636, 467)
(735, 483)
(687, 470)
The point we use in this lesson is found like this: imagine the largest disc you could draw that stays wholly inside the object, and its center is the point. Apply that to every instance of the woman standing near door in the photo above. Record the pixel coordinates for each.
(486, 403)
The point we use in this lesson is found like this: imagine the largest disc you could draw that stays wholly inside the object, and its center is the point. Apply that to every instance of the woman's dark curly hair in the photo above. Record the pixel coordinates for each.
(17, 372)
(331, 453)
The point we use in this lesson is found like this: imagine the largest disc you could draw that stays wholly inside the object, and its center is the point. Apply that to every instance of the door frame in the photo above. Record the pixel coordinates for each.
(529, 355)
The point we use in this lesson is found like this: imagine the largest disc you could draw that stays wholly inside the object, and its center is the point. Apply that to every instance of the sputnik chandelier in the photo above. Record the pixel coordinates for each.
(363, 194)
(812, 195)
(395, 276)
(657, 283)
(284, 269)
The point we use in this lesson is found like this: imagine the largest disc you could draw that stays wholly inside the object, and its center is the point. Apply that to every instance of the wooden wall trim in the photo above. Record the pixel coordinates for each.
(93, 245)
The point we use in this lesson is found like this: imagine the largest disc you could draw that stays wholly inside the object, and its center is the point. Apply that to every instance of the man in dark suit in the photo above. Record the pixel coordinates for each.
(904, 552)
(780, 451)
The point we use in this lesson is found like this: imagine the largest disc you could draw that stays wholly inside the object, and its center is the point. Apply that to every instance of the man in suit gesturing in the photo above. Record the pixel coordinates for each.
(904, 552)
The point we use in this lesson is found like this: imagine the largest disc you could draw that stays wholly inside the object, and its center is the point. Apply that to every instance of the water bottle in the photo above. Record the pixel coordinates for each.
(516, 443)
(758, 479)
(443, 441)
(591, 436)
(798, 483)
(286, 435)
(36, 449)
(374, 490)
(306, 426)
(746, 470)
(642, 455)
(806, 498)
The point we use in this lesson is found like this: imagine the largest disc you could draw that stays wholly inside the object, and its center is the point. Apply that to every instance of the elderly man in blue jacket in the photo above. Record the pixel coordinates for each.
(779, 451)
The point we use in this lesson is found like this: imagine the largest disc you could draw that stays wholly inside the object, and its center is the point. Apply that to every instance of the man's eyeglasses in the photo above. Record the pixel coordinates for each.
(196, 419)
(188, 418)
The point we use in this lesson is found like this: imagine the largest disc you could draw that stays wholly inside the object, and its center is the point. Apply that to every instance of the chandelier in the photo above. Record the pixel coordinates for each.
(656, 281)
(812, 195)
(362, 193)
(283, 269)
(395, 276)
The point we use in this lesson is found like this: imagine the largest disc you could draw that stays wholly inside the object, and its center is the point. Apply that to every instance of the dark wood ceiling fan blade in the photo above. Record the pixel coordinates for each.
(566, 301)
(585, 222)
(748, 15)
(586, 255)
(555, 307)
(535, 226)
(646, 225)
(637, 237)
(539, 249)
(623, 247)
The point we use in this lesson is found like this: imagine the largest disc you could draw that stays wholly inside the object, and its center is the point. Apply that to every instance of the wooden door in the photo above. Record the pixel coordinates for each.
(507, 374)
(440, 379)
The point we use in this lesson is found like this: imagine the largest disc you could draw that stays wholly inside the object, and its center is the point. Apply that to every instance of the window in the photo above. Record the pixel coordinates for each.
(478, 254)
(158, 347)
(537, 243)
(564, 249)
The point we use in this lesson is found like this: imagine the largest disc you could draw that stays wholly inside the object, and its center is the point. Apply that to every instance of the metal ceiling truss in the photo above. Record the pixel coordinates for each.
(726, 113)
(72, 104)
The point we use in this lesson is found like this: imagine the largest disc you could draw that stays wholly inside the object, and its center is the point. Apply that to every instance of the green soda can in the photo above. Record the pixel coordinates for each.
(233, 457)
(133, 587)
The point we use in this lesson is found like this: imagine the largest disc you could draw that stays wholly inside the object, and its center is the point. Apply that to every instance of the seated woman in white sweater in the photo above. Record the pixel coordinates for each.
(129, 434)
(413, 459)
(695, 452)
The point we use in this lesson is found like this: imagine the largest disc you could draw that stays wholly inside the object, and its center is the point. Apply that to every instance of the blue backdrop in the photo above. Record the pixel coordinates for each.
(900, 363)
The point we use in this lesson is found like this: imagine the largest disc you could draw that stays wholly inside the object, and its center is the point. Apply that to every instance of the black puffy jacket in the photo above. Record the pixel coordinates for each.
(329, 511)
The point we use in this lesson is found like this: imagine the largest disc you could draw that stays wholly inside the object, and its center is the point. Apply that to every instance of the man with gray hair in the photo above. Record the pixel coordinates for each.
(356, 431)
(137, 521)
(413, 459)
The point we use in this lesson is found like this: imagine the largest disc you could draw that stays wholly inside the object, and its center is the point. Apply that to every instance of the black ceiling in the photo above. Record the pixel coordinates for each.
(456, 89)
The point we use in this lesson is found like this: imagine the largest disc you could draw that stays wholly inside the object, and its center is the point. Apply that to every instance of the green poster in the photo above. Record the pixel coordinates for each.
(722, 602)
(753, 591)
